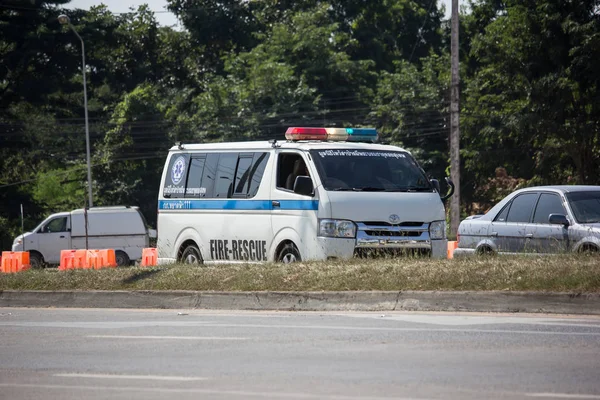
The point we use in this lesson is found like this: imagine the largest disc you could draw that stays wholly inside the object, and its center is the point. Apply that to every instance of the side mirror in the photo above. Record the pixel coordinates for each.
(558, 219)
(451, 192)
(304, 186)
(436, 184)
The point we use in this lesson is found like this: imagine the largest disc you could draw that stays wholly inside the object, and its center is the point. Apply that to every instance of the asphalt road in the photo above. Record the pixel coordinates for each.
(156, 354)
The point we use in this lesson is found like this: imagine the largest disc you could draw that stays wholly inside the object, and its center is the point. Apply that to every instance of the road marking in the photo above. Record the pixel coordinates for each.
(167, 337)
(136, 377)
(239, 393)
(392, 329)
(564, 395)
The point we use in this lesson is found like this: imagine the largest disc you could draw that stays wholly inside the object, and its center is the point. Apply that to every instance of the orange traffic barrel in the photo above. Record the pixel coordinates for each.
(452, 245)
(72, 259)
(14, 261)
(149, 257)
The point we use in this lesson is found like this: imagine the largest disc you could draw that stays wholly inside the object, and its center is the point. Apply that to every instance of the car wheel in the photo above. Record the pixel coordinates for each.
(485, 251)
(588, 249)
(36, 261)
(191, 255)
(289, 254)
(121, 258)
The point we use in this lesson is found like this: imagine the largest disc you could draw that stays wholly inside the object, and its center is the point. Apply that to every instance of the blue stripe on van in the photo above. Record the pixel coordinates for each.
(234, 204)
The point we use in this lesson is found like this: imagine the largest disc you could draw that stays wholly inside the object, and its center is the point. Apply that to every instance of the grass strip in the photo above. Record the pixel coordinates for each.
(564, 273)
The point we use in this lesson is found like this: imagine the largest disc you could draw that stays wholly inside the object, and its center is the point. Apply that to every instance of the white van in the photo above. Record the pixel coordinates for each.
(325, 193)
(121, 228)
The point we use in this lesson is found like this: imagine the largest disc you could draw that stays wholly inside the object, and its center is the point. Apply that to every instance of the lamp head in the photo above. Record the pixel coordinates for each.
(64, 19)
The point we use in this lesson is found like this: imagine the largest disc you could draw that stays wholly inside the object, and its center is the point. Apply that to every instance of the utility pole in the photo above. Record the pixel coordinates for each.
(454, 124)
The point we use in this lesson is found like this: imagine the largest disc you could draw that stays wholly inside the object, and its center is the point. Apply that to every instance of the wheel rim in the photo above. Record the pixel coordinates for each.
(289, 258)
(191, 258)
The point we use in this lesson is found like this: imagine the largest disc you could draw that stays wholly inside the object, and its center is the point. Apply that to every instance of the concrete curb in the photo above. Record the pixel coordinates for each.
(490, 301)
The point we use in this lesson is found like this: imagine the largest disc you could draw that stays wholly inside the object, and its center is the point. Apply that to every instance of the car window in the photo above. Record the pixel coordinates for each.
(522, 207)
(585, 206)
(56, 225)
(502, 216)
(547, 204)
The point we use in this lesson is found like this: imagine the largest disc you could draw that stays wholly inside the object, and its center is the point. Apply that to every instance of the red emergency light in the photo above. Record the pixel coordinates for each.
(306, 134)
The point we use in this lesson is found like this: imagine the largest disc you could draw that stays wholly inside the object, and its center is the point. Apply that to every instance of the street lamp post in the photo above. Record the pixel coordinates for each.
(65, 20)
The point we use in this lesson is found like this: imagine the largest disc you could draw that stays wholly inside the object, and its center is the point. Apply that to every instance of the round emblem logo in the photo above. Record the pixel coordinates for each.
(394, 219)
(178, 170)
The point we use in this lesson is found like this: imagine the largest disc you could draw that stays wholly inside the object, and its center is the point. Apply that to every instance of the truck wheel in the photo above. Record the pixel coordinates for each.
(36, 261)
(191, 255)
(121, 258)
(289, 254)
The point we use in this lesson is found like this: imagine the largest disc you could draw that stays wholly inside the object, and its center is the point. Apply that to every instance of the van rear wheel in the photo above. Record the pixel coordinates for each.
(191, 255)
(289, 254)
(121, 258)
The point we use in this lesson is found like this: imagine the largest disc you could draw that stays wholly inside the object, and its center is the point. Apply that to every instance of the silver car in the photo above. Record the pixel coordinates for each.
(543, 219)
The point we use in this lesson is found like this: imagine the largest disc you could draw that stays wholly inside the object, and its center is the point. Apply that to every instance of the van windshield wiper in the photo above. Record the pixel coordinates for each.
(410, 189)
(368, 189)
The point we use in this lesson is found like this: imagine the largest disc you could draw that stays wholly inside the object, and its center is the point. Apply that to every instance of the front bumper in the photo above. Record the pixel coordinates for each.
(336, 248)
(463, 252)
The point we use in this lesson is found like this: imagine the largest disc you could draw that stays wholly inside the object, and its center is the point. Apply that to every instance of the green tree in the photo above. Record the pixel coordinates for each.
(532, 104)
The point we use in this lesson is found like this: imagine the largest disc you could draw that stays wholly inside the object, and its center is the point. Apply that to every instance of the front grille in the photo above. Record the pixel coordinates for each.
(390, 253)
(392, 239)
(393, 233)
(383, 223)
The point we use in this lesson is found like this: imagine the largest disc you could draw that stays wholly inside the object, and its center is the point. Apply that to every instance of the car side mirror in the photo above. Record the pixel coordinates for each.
(436, 184)
(304, 186)
(558, 219)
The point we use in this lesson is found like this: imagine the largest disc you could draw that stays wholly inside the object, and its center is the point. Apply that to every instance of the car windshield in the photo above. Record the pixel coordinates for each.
(585, 206)
(370, 170)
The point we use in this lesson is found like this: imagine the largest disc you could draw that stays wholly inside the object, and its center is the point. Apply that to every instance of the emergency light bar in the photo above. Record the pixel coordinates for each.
(332, 134)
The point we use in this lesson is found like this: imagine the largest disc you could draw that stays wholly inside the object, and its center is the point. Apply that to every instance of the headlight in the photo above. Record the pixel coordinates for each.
(337, 228)
(437, 230)
(18, 241)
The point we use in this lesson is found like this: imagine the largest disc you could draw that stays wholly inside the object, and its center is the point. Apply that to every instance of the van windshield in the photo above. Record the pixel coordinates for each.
(369, 170)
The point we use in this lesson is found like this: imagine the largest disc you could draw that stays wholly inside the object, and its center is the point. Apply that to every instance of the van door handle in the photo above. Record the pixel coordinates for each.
(494, 234)
(276, 203)
(62, 236)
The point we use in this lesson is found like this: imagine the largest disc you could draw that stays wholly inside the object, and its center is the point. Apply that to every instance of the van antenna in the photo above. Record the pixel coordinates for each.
(179, 145)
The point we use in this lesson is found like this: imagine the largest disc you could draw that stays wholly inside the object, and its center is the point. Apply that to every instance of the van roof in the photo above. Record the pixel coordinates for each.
(107, 209)
(301, 145)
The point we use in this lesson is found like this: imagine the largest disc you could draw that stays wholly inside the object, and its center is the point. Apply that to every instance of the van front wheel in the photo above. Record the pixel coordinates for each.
(289, 254)
(191, 255)
(36, 260)
(121, 258)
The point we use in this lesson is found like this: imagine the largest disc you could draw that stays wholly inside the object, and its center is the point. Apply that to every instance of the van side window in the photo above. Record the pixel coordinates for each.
(176, 176)
(290, 166)
(209, 174)
(225, 171)
(256, 172)
(241, 175)
(194, 186)
(215, 175)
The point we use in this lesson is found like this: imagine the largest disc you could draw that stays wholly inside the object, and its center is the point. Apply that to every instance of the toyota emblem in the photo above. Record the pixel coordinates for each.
(394, 218)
